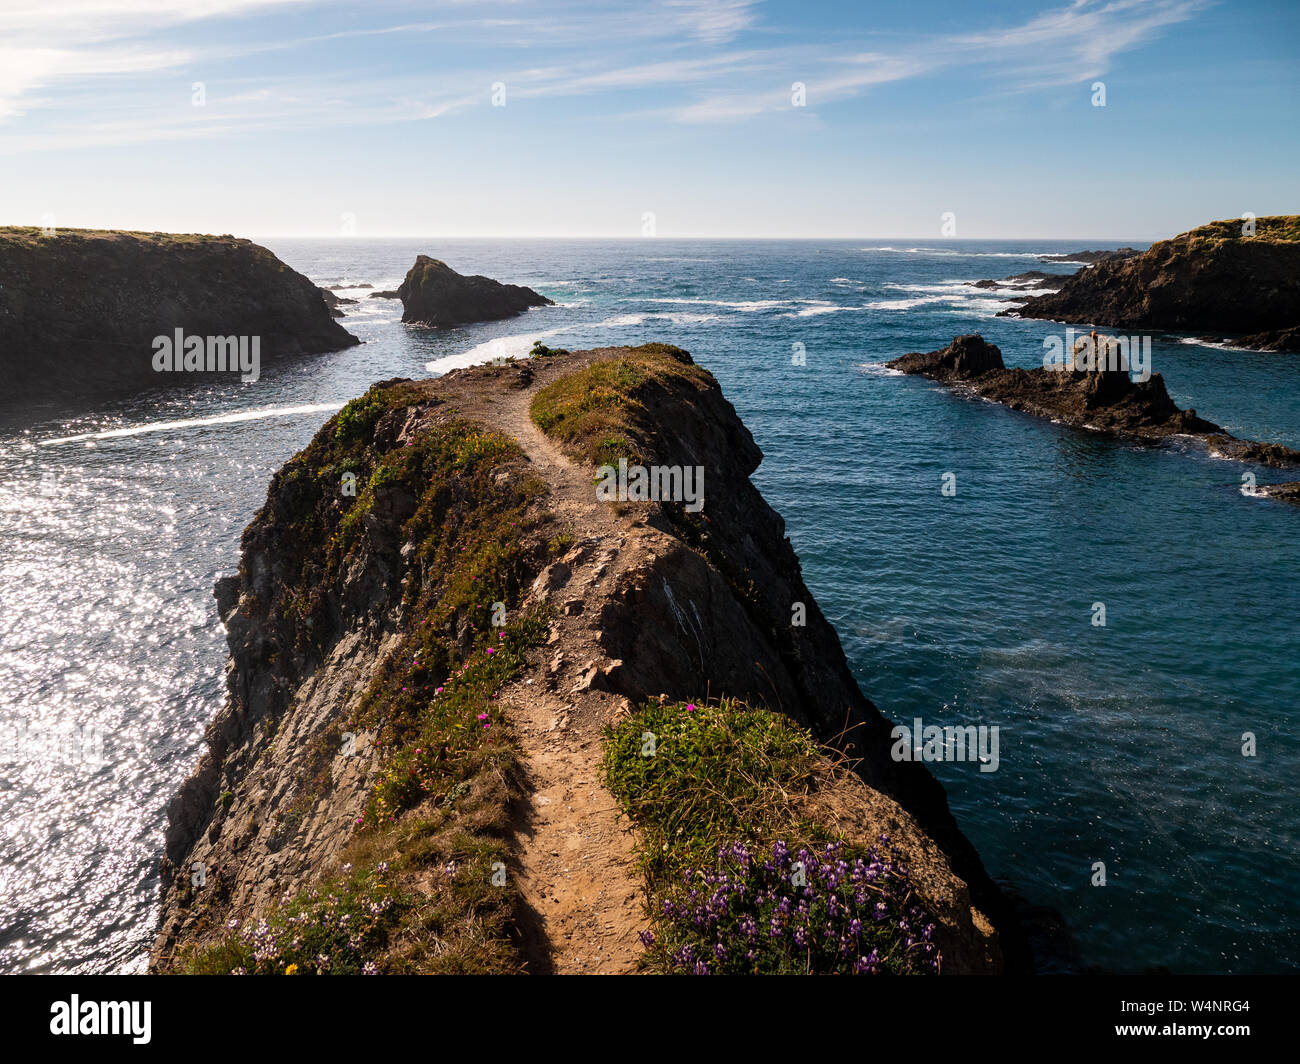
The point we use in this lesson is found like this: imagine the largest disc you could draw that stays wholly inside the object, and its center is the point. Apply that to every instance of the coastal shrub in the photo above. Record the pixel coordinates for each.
(738, 878)
(436, 821)
(357, 419)
(332, 928)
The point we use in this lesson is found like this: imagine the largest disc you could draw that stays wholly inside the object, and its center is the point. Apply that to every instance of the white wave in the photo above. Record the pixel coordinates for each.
(514, 346)
(1218, 345)
(748, 306)
(675, 318)
(953, 253)
(518, 345)
(223, 419)
(906, 304)
(879, 369)
(815, 309)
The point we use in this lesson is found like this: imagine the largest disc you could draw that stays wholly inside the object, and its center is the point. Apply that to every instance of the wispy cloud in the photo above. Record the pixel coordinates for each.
(701, 70)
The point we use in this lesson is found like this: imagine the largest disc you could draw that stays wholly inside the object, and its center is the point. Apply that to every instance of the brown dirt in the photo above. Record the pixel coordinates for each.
(574, 851)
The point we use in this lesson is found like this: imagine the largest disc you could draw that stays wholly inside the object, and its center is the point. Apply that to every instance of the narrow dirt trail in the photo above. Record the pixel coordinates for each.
(574, 853)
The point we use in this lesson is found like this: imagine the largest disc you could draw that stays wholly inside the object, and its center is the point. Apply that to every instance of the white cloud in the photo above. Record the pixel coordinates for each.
(591, 50)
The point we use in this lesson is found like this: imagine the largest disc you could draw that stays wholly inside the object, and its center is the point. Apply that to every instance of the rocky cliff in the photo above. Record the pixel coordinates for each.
(1212, 279)
(483, 718)
(434, 294)
(81, 309)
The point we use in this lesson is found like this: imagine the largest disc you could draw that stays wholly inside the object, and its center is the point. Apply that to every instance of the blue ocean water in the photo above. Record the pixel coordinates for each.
(1119, 744)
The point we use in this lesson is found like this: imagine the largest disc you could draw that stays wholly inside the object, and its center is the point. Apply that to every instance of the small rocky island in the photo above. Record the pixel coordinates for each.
(1222, 280)
(81, 309)
(1091, 389)
(435, 294)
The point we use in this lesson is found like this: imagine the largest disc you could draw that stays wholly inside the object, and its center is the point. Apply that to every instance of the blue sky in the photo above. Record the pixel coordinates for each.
(379, 115)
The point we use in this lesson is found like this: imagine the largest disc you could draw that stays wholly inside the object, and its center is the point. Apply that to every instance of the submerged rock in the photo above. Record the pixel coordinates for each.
(1092, 257)
(435, 294)
(1028, 279)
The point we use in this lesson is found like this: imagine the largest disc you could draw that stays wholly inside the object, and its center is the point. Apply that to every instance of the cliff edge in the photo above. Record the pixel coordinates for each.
(1222, 277)
(81, 309)
(487, 714)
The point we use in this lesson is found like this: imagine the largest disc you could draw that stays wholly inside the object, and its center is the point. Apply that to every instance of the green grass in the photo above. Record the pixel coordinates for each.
(438, 816)
(705, 782)
(718, 772)
(1278, 227)
(598, 413)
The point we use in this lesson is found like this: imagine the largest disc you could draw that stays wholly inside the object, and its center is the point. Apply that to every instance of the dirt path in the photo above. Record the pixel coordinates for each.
(575, 855)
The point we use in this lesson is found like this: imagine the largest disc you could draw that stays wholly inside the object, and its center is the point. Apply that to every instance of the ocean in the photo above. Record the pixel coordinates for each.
(1121, 746)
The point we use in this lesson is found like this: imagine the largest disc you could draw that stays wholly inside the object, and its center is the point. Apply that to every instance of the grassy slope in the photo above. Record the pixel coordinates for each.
(414, 891)
(716, 789)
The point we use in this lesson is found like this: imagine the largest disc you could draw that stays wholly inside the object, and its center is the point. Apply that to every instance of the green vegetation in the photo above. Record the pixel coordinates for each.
(423, 888)
(739, 876)
(33, 233)
(599, 412)
(1276, 227)
(540, 350)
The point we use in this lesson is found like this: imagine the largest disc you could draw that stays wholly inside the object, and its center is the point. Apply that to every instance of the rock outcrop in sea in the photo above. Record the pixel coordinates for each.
(1222, 278)
(435, 294)
(1092, 389)
(80, 310)
(1092, 257)
(464, 687)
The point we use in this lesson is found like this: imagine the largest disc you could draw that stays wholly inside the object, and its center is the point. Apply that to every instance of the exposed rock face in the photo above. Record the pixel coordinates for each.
(677, 607)
(334, 302)
(1211, 278)
(435, 294)
(1102, 399)
(80, 310)
(1277, 340)
(1288, 492)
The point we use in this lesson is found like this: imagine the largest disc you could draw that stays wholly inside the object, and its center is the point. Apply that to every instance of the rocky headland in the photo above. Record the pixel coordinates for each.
(1222, 278)
(1090, 389)
(435, 294)
(481, 720)
(80, 310)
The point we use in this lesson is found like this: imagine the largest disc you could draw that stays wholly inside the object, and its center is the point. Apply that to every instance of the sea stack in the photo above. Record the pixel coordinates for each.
(435, 294)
